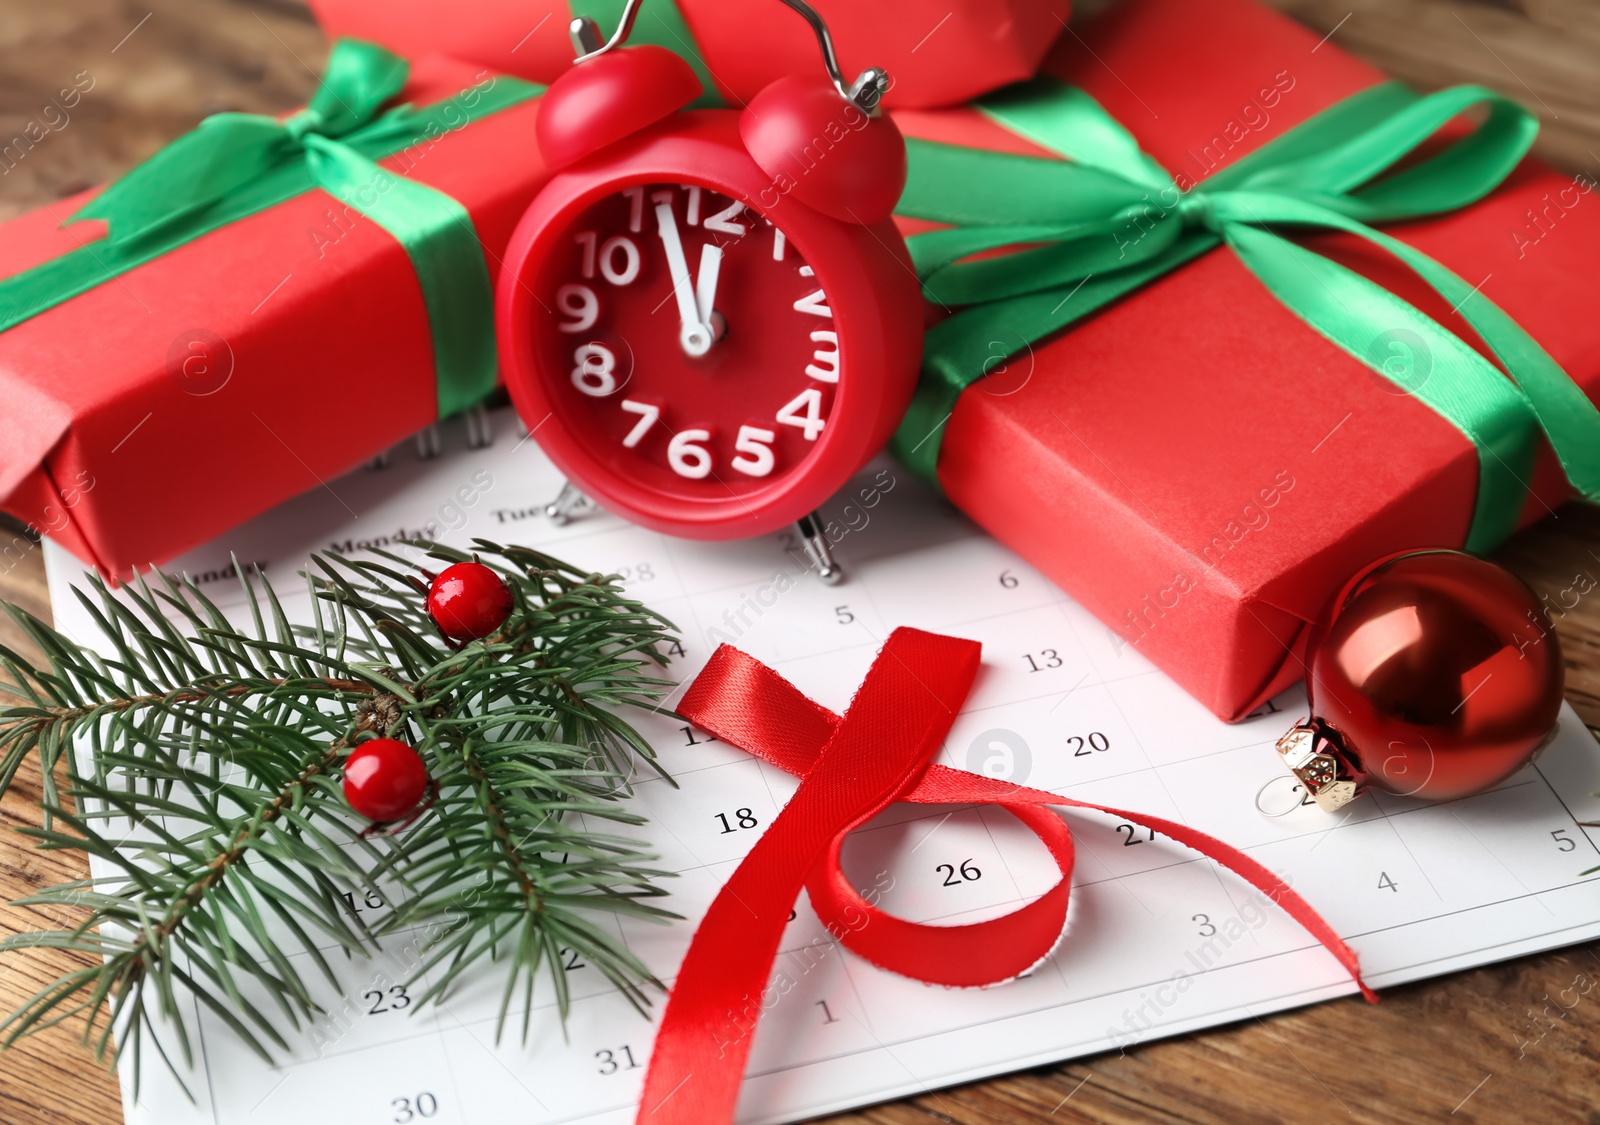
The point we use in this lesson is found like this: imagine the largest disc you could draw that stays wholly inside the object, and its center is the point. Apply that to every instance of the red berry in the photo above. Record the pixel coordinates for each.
(384, 779)
(468, 601)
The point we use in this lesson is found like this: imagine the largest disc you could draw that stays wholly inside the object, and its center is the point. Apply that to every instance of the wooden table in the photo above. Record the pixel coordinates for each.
(1429, 1051)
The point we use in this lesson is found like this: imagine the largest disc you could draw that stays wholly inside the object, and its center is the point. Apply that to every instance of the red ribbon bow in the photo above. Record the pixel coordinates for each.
(852, 768)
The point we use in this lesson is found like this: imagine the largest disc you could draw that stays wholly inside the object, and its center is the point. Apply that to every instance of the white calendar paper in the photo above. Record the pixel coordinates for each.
(1160, 941)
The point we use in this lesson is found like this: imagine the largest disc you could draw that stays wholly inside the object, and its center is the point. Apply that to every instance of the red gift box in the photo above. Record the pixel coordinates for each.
(1210, 467)
(152, 412)
(936, 53)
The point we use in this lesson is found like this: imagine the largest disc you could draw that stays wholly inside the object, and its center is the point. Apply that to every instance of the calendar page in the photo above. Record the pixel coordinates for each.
(1159, 940)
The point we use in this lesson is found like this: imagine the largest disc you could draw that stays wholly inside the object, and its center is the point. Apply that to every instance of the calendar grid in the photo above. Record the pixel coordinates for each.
(1159, 940)
(1307, 947)
(1595, 847)
(1219, 1013)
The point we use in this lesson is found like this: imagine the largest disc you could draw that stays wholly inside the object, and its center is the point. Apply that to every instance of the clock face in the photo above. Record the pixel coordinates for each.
(690, 348)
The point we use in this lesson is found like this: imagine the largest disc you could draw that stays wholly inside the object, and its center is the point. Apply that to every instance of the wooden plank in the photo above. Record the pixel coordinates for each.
(1429, 1050)
(146, 74)
(1544, 55)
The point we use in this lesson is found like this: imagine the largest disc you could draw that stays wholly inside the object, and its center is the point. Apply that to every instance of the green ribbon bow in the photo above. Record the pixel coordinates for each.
(1110, 220)
(238, 164)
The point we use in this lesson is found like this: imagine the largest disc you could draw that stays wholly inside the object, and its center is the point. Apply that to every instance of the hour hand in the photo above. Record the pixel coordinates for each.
(693, 332)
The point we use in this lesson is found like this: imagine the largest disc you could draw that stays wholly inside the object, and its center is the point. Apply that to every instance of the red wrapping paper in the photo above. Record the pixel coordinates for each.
(1211, 469)
(936, 52)
(111, 446)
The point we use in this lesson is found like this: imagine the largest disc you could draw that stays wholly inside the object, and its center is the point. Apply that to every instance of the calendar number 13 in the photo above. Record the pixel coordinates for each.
(1043, 660)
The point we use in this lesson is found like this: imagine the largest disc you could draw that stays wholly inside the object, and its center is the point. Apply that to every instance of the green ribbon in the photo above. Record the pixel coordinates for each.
(238, 164)
(1086, 231)
(661, 24)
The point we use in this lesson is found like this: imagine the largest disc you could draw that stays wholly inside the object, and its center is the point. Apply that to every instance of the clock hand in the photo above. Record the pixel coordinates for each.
(692, 332)
(705, 293)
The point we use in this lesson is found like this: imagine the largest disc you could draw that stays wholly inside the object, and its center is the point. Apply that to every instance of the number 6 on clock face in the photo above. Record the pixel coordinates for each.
(695, 348)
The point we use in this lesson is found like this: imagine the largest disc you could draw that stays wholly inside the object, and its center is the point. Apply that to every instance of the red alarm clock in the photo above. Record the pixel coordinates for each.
(707, 318)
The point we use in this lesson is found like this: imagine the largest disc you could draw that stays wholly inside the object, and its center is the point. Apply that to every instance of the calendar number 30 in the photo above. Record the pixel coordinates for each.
(414, 1109)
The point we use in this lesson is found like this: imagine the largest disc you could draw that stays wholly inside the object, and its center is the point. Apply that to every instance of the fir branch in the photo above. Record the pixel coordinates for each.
(204, 757)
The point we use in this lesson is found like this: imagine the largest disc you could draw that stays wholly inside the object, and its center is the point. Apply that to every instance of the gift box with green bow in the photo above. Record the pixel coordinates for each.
(1227, 316)
(261, 306)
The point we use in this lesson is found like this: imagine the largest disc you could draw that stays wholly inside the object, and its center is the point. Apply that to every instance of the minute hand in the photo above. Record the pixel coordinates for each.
(692, 332)
(705, 286)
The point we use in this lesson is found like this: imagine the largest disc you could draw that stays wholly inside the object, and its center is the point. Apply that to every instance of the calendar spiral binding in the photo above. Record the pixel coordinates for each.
(476, 426)
(474, 423)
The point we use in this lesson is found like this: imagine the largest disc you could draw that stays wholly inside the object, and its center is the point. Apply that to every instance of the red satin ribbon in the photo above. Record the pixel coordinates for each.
(852, 768)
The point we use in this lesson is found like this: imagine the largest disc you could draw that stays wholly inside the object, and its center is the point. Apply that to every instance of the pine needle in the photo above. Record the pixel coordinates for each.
(202, 763)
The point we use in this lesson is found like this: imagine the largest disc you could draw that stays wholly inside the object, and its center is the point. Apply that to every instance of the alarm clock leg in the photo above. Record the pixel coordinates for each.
(818, 549)
(567, 505)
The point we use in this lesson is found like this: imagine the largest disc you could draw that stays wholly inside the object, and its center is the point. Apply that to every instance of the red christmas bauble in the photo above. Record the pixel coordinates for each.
(1437, 672)
(468, 601)
(384, 779)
